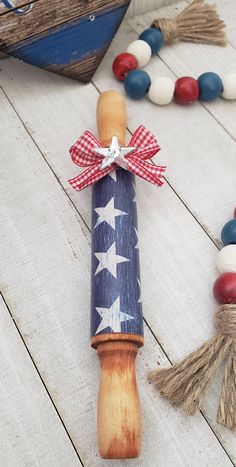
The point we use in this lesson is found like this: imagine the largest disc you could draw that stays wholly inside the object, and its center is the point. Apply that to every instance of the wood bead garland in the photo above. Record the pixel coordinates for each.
(187, 382)
(199, 22)
(154, 38)
(137, 84)
(229, 86)
(224, 289)
(210, 86)
(124, 63)
(228, 233)
(161, 91)
(141, 51)
(226, 259)
(186, 90)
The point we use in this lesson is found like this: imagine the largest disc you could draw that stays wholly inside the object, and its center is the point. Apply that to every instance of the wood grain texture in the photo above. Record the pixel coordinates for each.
(118, 419)
(46, 14)
(136, 7)
(82, 70)
(111, 118)
(31, 433)
(48, 287)
(178, 259)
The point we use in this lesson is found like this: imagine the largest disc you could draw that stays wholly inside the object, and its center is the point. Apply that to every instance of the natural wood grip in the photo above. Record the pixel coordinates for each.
(111, 117)
(118, 401)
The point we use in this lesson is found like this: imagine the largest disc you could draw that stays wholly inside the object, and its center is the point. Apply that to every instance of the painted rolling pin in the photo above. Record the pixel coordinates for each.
(116, 314)
(116, 310)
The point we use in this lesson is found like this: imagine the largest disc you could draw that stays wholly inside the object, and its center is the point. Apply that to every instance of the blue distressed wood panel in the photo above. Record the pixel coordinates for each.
(70, 43)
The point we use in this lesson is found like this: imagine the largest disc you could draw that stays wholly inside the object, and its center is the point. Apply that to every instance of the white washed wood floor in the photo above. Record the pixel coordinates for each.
(48, 372)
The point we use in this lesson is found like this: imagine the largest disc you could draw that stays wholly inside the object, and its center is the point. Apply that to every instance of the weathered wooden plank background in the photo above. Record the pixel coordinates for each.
(49, 374)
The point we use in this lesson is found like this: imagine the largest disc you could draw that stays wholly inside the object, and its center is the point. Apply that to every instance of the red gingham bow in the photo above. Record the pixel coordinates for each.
(82, 154)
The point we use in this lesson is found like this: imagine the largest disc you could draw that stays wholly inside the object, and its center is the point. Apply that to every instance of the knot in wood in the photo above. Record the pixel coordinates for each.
(226, 320)
(168, 27)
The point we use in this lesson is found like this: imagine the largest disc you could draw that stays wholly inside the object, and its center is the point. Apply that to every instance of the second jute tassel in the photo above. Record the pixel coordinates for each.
(187, 382)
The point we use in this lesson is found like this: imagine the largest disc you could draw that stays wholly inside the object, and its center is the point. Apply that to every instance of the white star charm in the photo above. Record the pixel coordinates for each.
(114, 154)
(108, 214)
(112, 317)
(109, 259)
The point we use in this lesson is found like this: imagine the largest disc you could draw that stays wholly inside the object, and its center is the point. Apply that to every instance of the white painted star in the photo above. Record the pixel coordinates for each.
(112, 174)
(137, 244)
(114, 154)
(112, 317)
(108, 214)
(109, 259)
(139, 283)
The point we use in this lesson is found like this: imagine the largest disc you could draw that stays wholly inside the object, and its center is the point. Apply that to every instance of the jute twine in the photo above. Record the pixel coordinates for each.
(199, 23)
(188, 381)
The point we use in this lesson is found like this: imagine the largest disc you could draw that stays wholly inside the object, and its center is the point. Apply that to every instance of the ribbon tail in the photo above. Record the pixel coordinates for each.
(89, 176)
(150, 172)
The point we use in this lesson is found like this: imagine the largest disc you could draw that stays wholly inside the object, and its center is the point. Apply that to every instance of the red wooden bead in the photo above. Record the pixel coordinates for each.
(186, 90)
(124, 63)
(224, 289)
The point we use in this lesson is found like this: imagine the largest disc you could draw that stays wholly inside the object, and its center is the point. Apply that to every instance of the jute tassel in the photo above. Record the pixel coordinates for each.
(188, 381)
(199, 22)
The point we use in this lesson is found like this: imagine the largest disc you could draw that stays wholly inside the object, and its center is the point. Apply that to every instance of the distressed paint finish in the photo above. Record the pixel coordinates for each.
(73, 48)
(119, 231)
(82, 70)
(46, 14)
(136, 7)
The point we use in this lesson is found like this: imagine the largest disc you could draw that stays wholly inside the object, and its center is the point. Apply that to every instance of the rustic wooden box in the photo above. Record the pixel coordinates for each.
(66, 37)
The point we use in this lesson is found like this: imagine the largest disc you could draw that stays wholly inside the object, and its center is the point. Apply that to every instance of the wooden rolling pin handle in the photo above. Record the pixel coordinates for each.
(111, 117)
(118, 416)
(118, 401)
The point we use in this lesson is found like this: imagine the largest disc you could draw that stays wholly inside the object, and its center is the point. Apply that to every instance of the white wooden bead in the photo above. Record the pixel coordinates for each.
(226, 259)
(229, 86)
(161, 91)
(141, 50)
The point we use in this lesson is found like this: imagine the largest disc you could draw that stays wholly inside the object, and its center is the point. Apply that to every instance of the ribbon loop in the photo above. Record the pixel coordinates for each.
(82, 153)
(146, 146)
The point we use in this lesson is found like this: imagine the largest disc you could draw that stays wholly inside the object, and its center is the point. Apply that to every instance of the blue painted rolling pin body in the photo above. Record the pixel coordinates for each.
(116, 296)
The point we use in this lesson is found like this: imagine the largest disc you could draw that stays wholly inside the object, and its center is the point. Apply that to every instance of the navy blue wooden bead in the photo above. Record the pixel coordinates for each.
(228, 234)
(137, 84)
(210, 86)
(154, 38)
